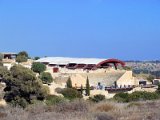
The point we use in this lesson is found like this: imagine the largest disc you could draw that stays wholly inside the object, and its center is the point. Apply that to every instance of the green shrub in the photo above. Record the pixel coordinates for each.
(70, 93)
(142, 95)
(22, 86)
(21, 58)
(53, 99)
(36, 58)
(136, 96)
(121, 97)
(38, 67)
(46, 77)
(19, 102)
(97, 98)
(23, 53)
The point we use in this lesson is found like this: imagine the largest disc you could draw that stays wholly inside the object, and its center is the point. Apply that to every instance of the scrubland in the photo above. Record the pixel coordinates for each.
(85, 110)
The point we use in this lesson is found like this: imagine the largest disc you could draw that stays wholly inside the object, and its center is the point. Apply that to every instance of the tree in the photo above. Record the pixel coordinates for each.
(150, 77)
(22, 57)
(23, 53)
(22, 86)
(87, 87)
(46, 77)
(158, 90)
(81, 89)
(69, 83)
(36, 58)
(38, 67)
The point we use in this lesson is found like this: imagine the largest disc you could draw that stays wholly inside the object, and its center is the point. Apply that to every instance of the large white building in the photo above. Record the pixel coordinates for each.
(80, 63)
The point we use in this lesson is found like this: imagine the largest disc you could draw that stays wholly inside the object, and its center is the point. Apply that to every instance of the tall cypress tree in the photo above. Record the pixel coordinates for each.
(87, 87)
(81, 89)
(69, 83)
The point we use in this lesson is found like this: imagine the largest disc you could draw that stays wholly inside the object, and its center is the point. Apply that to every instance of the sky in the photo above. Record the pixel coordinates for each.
(122, 29)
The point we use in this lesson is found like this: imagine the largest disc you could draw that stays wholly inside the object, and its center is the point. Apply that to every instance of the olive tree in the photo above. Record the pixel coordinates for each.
(23, 53)
(22, 57)
(38, 67)
(22, 86)
(46, 77)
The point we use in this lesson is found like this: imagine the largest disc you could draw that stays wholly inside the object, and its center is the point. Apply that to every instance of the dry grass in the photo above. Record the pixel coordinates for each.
(83, 110)
(104, 107)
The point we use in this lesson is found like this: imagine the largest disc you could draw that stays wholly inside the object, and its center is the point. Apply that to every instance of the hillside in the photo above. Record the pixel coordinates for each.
(147, 67)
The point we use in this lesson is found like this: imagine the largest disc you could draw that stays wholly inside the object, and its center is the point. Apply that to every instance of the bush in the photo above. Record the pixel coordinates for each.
(53, 99)
(97, 98)
(136, 96)
(21, 58)
(38, 67)
(70, 93)
(58, 90)
(22, 86)
(150, 78)
(19, 102)
(121, 97)
(23, 53)
(46, 77)
(36, 58)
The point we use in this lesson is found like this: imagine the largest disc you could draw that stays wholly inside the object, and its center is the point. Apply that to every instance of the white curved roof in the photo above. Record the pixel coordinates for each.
(67, 60)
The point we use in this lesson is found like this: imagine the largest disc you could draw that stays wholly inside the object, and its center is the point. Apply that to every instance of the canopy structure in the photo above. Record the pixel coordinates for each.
(80, 63)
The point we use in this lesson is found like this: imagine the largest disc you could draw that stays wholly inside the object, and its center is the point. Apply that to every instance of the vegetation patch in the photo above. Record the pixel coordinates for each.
(133, 104)
(46, 77)
(53, 99)
(38, 67)
(97, 98)
(136, 96)
(71, 93)
(105, 107)
(22, 86)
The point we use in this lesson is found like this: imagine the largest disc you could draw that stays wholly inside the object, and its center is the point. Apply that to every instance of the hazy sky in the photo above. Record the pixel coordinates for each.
(123, 29)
